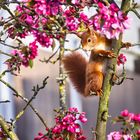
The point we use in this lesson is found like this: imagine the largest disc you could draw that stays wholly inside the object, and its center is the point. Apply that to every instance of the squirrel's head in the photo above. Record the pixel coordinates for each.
(89, 39)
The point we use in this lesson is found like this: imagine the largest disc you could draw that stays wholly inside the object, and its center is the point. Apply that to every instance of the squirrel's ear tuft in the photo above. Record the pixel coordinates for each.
(79, 34)
(91, 31)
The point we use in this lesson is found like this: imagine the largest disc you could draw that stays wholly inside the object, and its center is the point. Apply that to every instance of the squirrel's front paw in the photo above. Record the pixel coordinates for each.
(111, 54)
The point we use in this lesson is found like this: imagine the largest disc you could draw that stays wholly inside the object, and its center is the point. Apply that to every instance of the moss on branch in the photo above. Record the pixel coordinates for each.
(103, 109)
(7, 129)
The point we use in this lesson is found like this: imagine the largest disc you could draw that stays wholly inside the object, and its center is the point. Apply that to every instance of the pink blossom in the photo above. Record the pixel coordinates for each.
(66, 123)
(73, 109)
(72, 23)
(75, 1)
(57, 129)
(131, 116)
(41, 137)
(121, 59)
(125, 113)
(138, 132)
(84, 18)
(23, 56)
(114, 136)
(118, 136)
(110, 21)
(137, 118)
(82, 117)
(127, 137)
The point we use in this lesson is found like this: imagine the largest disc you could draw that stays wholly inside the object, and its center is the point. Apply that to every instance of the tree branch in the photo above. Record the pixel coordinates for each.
(25, 100)
(103, 109)
(1, 52)
(36, 91)
(7, 129)
(61, 79)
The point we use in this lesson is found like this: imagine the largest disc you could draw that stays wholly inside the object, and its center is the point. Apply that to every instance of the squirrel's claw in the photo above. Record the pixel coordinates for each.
(100, 54)
(111, 55)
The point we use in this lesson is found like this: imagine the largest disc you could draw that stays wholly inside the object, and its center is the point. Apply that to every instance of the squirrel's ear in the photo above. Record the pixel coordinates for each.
(92, 31)
(79, 34)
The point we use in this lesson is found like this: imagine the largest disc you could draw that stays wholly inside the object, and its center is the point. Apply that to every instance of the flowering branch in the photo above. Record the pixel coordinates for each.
(48, 21)
(103, 109)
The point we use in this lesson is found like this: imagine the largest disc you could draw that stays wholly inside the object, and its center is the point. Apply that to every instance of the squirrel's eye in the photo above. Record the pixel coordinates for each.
(89, 40)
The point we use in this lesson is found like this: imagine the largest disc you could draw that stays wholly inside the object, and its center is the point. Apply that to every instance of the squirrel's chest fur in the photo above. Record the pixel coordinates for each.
(95, 71)
(97, 62)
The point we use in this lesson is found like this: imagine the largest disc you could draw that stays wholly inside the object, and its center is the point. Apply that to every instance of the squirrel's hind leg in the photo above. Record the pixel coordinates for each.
(94, 83)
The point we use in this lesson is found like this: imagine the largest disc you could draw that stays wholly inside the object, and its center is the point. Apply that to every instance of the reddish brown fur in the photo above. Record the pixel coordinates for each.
(88, 77)
(75, 66)
(94, 79)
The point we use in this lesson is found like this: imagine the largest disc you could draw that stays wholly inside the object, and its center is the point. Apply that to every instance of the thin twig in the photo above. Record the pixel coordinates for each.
(36, 91)
(136, 12)
(135, 44)
(4, 72)
(1, 52)
(6, 101)
(25, 100)
(137, 54)
(72, 50)
(129, 45)
(7, 9)
(49, 59)
(10, 46)
(120, 79)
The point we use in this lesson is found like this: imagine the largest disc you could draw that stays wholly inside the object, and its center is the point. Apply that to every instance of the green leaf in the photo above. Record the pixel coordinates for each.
(53, 44)
(69, 1)
(31, 63)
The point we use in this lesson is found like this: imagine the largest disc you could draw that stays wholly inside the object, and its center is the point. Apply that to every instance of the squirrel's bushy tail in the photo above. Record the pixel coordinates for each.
(75, 66)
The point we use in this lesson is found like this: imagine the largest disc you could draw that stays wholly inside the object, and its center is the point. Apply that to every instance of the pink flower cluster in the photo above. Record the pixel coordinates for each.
(131, 116)
(46, 20)
(66, 125)
(110, 20)
(24, 56)
(130, 126)
(74, 19)
(121, 59)
(68, 122)
(118, 136)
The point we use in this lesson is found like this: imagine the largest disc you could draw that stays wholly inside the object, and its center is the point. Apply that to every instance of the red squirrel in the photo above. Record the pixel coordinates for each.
(87, 76)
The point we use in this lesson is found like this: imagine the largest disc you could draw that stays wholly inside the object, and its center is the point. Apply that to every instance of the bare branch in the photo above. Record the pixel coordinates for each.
(1, 52)
(10, 46)
(49, 59)
(6, 101)
(25, 100)
(36, 91)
